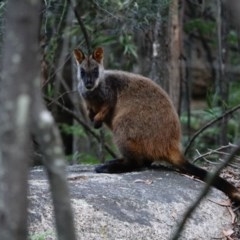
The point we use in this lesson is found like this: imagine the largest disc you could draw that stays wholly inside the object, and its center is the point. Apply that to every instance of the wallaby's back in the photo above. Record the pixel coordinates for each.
(144, 117)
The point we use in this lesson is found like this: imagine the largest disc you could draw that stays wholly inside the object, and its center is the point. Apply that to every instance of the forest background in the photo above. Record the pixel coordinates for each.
(191, 49)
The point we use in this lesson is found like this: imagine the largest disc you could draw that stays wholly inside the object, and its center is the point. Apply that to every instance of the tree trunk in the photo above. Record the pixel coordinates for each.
(222, 80)
(174, 54)
(22, 110)
(19, 49)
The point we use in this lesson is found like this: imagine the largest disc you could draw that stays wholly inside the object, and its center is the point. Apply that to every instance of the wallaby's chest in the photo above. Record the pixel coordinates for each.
(96, 95)
(94, 99)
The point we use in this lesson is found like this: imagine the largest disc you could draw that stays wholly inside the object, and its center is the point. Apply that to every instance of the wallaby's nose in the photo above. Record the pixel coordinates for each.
(89, 83)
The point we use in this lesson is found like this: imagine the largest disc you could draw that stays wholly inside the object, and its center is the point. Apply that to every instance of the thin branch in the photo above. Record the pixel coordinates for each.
(83, 124)
(61, 20)
(209, 124)
(211, 178)
(56, 71)
(59, 97)
(212, 151)
(80, 22)
(204, 157)
(219, 151)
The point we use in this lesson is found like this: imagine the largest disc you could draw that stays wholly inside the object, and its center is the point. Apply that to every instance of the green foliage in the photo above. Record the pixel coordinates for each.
(207, 139)
(233, 38)
(131, 14)
(234, 98)
(233, 43)
(76, 129)
(49, 90)
(202, 26)
(83, 158)
(41, 236)
(102, 40)
(115, 23)
(127, 43)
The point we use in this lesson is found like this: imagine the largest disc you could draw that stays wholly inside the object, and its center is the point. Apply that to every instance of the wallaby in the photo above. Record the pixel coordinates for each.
(144, 122)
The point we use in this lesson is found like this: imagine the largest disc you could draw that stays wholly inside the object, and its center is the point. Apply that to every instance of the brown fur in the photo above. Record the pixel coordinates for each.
(144, 119)
(144, 123)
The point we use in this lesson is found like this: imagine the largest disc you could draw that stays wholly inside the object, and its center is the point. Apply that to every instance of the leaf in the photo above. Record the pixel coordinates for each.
(228, 233)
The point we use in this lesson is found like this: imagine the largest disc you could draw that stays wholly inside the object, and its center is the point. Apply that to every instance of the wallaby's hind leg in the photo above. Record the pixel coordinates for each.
(131, 160)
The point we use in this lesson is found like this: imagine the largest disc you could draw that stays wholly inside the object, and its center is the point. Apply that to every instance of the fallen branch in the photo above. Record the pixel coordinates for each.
(212, 151)
(218, 151)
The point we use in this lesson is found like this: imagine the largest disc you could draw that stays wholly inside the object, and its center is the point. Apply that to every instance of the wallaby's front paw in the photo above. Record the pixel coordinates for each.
(102, 169)
(97, 124)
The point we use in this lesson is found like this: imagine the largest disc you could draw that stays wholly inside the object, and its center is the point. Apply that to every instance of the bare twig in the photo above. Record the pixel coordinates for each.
(209, 124)
(203, 156)
(211, 178)
(212, 151)
(59, 97)
(83, 124)
(219, 152)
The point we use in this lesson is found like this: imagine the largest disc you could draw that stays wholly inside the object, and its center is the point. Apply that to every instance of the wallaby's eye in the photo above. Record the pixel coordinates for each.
(83, 72)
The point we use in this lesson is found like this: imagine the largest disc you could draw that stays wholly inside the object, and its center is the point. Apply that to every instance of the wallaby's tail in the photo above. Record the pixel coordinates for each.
(232, 192)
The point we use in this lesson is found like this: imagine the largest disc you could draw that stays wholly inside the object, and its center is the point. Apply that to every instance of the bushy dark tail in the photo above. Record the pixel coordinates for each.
(219, 183)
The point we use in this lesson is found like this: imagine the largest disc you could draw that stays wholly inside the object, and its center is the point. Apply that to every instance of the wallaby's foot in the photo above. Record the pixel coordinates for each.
(117, 166)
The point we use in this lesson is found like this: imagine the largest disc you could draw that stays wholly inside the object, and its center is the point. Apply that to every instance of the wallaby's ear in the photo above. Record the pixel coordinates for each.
(98, 54)
(79, 55)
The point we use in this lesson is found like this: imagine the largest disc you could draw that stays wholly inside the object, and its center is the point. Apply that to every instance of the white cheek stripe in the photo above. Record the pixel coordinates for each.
(79, 73)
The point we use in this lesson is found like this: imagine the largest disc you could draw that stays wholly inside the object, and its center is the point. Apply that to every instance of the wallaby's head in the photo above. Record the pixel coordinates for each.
(89, 68)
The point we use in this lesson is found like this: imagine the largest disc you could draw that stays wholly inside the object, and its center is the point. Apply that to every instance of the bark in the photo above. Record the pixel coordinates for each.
(222, 79)
(234, 8)
(174, 54)
(47, 135)
(160, 52)
(23, 112)
(20, 47)
(165, 67)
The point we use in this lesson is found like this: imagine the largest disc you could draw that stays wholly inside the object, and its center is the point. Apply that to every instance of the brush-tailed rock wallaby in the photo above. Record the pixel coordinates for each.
(145, 125)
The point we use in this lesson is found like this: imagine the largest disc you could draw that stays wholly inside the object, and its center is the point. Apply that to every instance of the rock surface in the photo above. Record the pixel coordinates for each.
(132, 206)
